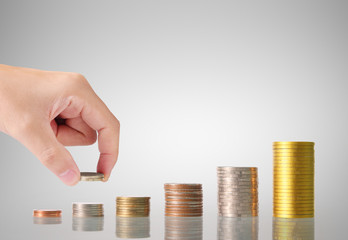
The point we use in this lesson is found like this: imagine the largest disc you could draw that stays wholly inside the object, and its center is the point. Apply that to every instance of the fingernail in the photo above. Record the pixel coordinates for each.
(69, 177)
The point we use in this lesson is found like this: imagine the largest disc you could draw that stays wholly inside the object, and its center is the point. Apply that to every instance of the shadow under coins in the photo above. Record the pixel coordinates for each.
(88, 224)
(180, 228)
(293, 228)
(132, 227)
(238, 228)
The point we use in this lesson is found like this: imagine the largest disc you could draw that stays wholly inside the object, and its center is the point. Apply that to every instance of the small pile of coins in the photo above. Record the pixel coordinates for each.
(237, 191)
(132, 206)
(293, 228)
(293, 179)
(47, 216)
(88, 224)
(177, 228)
(183, 200)
(127, 227)
(91, 176)
(238, 228)
(88, 210)
(47, 213)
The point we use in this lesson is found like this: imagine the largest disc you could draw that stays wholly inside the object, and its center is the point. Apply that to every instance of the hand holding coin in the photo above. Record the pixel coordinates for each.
(46, 111)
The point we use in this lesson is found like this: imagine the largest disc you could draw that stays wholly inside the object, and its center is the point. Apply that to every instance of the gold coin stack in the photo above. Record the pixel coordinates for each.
(293, 179)
(132, 206)
(294, 228)
(183, 200)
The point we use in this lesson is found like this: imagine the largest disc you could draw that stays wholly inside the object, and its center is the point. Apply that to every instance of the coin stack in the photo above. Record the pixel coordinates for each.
(238, 228)
(127, 227)
(132, 206)
(88, 209)
(293, 179)
(183, 200)
(44, 213)
(88, 224)
(237, 191)
(293, 228)
(178, 228)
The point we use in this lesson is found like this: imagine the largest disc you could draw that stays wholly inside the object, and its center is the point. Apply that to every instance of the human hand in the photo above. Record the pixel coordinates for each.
(46, 111)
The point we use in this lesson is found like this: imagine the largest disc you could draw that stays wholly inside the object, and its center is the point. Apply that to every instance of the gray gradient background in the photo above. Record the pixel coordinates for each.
(195, 84)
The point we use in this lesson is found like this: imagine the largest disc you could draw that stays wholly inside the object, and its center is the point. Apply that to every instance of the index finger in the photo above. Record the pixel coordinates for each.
(97, 115)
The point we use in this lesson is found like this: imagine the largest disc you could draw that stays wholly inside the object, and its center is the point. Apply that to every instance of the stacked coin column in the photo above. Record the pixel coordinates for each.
(237, 191)
(183, 200)
(293, 179)
(88, 210)
(132, 206)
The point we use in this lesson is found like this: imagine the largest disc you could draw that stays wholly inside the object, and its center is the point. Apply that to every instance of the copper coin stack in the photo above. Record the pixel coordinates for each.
(237, 191)
(132, 206)
(178, 228)
(128, 227)
(183, 200)
(293, 228)
(293, 179)
(238, 228)
(47, 213)
(47, 216)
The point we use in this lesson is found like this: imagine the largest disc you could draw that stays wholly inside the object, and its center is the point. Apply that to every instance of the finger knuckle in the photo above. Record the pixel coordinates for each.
(48, 156)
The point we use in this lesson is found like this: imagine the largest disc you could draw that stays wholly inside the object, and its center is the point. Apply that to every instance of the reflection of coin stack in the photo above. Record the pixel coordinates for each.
(88, 210)
(178, 228)
(238, 228)
(237, 191)
(293, 179)
(293, 229)
(183, 200)
(87, 224)
(132, 206)
(129, 227)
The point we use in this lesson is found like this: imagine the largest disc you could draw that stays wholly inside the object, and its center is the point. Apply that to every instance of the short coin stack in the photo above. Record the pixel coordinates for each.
(132, 206)
(293, 179)
(127, 227)
(294, 228)
(188, 228)
(238, 228)
(47, 213)
(88, 209)
(183, 200)
(237, 191)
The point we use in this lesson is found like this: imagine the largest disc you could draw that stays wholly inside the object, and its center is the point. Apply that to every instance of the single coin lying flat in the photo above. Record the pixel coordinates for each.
(91, 176)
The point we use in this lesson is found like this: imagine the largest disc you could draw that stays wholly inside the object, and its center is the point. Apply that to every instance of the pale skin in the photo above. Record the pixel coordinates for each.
(47, 111)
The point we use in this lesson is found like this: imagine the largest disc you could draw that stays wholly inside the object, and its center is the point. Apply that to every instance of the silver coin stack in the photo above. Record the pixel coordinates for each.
(88, 224)
(88, 209)
(132, 227)
(238, 228)
(179, 228)
(237, 191)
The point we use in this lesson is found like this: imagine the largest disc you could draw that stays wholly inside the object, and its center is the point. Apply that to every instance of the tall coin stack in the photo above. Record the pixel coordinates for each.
(293, 179)
(132, 206)
(183, 200)
(88, 209)
(237, 191)
(293, 228)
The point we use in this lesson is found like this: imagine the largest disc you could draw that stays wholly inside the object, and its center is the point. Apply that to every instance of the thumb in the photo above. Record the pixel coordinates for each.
(44, 145)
